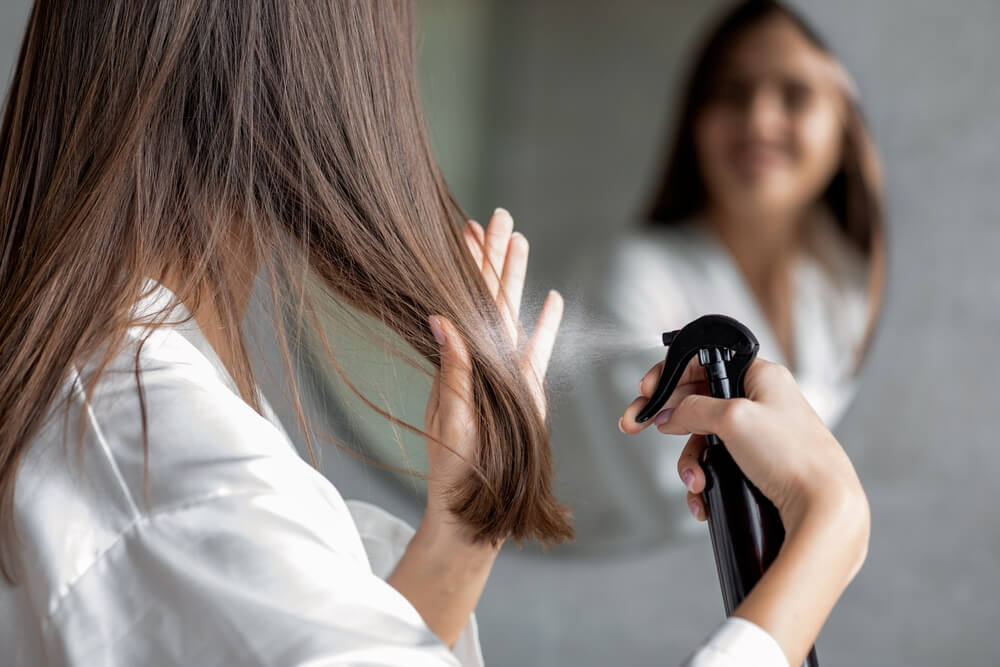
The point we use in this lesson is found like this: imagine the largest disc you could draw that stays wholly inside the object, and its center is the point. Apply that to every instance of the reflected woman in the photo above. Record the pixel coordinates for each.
(769, 208)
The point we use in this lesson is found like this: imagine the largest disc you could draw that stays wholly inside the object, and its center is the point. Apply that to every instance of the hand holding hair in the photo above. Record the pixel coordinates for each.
(444, 569)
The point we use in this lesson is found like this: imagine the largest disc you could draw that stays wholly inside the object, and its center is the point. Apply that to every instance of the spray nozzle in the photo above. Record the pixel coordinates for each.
(725, 347)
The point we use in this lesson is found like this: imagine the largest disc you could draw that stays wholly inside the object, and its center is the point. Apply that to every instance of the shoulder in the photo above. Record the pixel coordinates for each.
(197, 428)
(210, 457)
(91, 466)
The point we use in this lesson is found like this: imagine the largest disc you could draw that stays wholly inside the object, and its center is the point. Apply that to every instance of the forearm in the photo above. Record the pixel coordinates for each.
(819, 558)
(443, 576)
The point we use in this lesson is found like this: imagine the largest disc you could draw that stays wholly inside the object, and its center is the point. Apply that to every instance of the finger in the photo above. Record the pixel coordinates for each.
(474, 238)
(696, 504)
(433, 400)
(688, 466)
(628, 425)
(497, 238)
(455, 376)
(704, 414)
(515, 267)
(694, 373)
(765, 378)
(478, 231)
(434, 397)
(539, 348)
(647, 385)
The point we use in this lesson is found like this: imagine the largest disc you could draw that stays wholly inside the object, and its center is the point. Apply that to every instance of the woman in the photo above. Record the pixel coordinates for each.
(769, 208)
(157, 158)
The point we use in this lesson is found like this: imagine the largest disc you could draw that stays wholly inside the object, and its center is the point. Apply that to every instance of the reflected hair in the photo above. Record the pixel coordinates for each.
(190, 137)
(854, 193)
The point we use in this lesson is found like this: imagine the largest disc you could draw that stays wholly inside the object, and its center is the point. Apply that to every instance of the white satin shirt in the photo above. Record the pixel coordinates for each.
(659, 279)
(239, 554)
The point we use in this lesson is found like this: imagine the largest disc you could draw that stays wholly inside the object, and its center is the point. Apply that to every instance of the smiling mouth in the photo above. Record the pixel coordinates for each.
(752, 161)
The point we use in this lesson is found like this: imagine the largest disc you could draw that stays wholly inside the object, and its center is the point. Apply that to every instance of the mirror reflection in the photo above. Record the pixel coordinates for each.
(763, 201)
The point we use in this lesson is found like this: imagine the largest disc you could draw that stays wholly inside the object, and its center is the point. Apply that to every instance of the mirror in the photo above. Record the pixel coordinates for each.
(664, 164)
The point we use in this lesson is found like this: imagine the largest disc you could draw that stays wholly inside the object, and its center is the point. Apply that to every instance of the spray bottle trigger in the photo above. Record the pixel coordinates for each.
(733, 344)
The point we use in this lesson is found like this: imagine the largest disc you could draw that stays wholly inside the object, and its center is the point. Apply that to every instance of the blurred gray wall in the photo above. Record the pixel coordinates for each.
(567, 108)
(13, 15)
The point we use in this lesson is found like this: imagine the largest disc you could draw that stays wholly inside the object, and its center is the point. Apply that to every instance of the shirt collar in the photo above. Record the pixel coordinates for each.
(158, 303)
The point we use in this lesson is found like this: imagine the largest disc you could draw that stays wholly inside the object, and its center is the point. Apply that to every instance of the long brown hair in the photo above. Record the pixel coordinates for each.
(853, 195)
(142, 134)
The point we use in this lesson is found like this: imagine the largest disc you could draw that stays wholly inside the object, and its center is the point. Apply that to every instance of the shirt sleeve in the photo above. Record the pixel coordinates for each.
(239, 579)
(385, 538)
(738, 643)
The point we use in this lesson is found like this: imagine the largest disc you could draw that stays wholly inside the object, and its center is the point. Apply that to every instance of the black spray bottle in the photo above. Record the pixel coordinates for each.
(745, 526)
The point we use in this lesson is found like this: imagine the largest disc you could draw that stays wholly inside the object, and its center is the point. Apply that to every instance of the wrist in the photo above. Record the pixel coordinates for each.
(836, 514)
(825, 544)
(443, 573)
(442, 535)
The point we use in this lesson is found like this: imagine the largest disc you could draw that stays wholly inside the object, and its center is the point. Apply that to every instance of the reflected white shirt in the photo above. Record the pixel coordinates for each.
(661, 278)
(240, 552)
(657, 279)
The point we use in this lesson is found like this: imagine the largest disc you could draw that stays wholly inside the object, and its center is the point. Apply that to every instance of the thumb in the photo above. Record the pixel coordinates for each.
(455, 378)
(702, 415)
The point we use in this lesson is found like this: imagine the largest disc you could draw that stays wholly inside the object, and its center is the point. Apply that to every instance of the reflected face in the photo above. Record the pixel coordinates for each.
(770, 136)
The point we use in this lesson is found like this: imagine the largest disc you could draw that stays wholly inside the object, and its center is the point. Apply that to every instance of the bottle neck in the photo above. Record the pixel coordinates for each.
(714, 361)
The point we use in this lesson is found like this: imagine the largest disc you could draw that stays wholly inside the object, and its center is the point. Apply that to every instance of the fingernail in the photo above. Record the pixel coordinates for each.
(688, 478)
(695, 508)
(499, 210)
(436, 329)
(662, 417)
(621, 425)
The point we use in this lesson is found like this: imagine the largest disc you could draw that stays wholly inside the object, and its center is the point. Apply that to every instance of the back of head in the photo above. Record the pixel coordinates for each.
(208, 140)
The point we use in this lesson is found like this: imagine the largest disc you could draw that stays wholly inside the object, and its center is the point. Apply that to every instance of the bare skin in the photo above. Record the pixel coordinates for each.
(207, 315)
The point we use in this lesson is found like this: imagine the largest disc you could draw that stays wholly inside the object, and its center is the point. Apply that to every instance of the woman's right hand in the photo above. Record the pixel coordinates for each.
(774, 435)
(784, 448)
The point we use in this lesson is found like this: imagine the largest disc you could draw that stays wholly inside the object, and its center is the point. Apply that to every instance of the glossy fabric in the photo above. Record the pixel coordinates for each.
(243, 554)
(240, 553)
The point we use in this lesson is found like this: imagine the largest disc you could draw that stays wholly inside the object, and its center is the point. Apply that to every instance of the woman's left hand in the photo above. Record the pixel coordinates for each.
(502, 255)
(443, 571)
